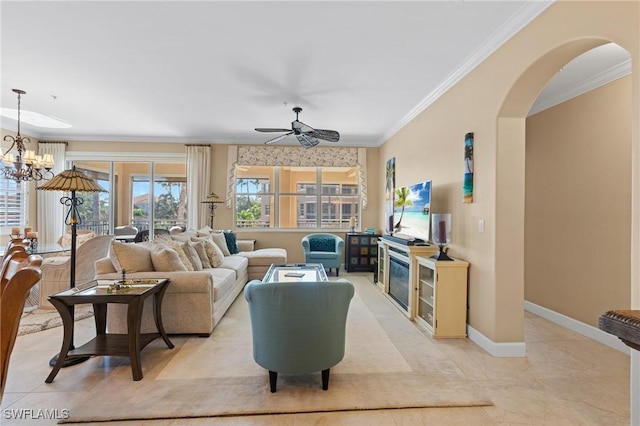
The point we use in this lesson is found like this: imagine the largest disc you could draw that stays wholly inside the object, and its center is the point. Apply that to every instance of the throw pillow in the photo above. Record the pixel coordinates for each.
(166, 259)
(177, 246)
(81, 236)
(232, 242)
(322, 244)
(221, 241)
(214, 253)
(131, 257)
(202, 253)
(192, 254)
(205, 231)
(184, 236)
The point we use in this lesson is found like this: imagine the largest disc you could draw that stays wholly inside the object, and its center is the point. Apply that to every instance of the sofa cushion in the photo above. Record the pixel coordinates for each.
(236, 262)
(322, 244)
(221, 241)
(202, 253)
(166, 259)
(265, 256)
(225, 281)
(130, 257)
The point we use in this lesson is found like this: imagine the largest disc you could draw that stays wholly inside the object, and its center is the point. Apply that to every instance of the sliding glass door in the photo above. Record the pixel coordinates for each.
(131, 198)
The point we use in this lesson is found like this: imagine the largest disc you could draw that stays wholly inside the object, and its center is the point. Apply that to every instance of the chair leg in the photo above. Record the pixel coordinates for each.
(273, 378)
(325, 379)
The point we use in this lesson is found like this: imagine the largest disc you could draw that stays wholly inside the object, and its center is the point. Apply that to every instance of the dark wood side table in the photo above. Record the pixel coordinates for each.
(99, 294)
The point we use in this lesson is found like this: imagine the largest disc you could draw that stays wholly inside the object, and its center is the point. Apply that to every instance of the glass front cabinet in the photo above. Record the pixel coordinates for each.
(382, 267)
(441, 296)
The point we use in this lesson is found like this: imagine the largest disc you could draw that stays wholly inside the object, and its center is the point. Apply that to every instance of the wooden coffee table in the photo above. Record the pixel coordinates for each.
(100, 294)
(295, 272)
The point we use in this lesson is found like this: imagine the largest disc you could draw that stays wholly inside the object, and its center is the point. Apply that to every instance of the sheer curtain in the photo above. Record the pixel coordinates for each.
(198, 179)
(51, 212)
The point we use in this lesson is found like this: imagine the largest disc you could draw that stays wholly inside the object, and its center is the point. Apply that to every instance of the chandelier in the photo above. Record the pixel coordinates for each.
(26, 165)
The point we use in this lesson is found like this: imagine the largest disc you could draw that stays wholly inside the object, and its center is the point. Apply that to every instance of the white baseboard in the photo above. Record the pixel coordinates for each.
(519, 350)
(577, 326)
(501, 350)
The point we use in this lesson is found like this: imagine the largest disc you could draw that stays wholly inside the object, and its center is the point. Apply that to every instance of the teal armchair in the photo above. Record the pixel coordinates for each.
(323, 248)
(298, 327)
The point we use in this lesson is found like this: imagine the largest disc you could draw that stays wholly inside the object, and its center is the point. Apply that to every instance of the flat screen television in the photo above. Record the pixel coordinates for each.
(412, 211)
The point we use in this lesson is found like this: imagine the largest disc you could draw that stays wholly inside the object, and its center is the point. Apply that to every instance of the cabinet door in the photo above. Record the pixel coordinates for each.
(451, 302)
(426, 294)
(382, 258)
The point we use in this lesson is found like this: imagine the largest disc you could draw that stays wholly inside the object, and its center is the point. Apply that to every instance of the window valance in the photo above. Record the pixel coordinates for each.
(293, 156)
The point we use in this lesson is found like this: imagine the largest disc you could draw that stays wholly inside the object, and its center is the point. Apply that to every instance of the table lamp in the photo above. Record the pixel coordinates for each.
(212, 199)
(71, 181)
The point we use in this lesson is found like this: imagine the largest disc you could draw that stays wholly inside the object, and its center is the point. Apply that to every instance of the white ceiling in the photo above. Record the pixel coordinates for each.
(212, 71)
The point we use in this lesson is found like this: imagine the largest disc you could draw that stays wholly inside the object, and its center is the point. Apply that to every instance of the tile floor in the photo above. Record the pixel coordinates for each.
(566, 378)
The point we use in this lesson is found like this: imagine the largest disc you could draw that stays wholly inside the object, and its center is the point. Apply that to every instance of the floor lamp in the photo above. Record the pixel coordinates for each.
(71, 181)
(212, 199)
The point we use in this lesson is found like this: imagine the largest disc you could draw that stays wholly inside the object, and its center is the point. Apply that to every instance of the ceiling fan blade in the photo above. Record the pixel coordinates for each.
(327, 135)
(307, 141)
(300, 126)
(278, 138)
(267, 129)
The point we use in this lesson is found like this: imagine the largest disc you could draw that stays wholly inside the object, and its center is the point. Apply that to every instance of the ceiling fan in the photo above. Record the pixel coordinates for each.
(306, 135)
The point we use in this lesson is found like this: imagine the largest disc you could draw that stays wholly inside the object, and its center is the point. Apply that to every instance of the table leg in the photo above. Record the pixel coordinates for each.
(134, 319)
(157, 310)
(100, 317)
(66, 313)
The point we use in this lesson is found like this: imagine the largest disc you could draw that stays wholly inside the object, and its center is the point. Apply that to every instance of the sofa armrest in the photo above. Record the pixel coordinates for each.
(246, 245)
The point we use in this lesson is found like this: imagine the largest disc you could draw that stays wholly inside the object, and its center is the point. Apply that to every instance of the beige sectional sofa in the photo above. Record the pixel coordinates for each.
(195, 300)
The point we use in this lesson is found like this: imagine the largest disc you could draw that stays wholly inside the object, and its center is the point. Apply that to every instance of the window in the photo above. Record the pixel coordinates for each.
(170, 195)
(253, 200)
(13, 204)
(94, 207)
(130, 199)
(300, 197)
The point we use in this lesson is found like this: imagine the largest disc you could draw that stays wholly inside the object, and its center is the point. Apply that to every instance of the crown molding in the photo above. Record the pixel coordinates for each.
(521, 19)
(125, 156)
(607, 76)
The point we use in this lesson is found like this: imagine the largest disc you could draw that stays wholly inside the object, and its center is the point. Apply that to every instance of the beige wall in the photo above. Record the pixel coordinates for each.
(492, 101)
(578, 204)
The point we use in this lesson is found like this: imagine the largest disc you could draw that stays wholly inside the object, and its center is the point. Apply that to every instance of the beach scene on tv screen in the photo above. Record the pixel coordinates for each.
(412, 210)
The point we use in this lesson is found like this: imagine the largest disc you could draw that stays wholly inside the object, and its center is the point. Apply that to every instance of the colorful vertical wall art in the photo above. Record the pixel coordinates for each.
(390, 189)
(467, 185)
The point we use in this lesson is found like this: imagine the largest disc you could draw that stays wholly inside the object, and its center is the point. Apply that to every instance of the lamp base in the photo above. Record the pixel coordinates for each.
(68, 362)
(441, 255)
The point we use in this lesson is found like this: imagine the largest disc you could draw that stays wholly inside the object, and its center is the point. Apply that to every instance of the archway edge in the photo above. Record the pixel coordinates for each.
(510, 166)
(528, 86)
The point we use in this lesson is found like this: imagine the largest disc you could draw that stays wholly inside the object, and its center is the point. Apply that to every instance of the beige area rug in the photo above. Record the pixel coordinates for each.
(388, 364)
(43, 319)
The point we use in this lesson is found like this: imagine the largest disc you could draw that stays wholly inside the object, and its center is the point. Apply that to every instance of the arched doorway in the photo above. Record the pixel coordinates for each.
(578, 196)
